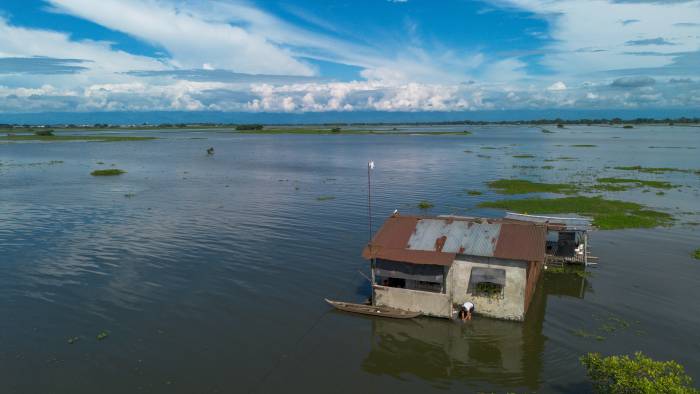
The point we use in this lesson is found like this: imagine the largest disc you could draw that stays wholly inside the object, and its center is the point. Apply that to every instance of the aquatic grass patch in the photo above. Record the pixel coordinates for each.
(102, 335)
(585, 334)
(637, 182)
(424, 204)
(325, 198)
(696, 254)
(561, 158)
(656, 170)
(338, 131)
(64, 138)
(474, 192)
(524, 156)
(547, 131)
(108, 172)
(522, 186)
(583, 146)
(606, 214)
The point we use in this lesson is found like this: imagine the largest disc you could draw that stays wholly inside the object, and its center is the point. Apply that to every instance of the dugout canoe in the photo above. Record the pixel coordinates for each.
(383, 311)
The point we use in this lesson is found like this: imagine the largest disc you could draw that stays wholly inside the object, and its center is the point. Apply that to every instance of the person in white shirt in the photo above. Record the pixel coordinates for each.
(465, 311)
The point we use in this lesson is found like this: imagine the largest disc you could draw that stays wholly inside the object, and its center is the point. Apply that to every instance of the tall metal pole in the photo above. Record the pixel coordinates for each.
(369, 199)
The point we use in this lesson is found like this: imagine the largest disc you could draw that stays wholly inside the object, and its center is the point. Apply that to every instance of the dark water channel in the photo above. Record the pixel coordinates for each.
(208, 273)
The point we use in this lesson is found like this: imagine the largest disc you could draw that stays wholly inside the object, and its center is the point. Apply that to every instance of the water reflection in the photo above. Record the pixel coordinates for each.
(483, 351)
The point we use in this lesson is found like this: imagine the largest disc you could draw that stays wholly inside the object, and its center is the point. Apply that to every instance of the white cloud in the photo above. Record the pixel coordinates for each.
(589, 38)
(557, 86)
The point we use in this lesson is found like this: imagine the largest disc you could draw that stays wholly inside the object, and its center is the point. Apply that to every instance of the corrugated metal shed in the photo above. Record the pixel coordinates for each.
(439, 240)
(570, 223)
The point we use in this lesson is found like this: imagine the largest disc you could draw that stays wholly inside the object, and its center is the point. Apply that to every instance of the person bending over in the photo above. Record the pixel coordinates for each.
(465, 311)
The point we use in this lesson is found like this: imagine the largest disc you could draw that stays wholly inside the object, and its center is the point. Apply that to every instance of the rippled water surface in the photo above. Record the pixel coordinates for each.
(209, 272)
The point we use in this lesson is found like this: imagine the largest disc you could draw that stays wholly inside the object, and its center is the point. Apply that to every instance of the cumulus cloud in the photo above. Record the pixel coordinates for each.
(557, 86)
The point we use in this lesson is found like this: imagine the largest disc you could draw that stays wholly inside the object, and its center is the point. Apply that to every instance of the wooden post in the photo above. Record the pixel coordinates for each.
(585, 248)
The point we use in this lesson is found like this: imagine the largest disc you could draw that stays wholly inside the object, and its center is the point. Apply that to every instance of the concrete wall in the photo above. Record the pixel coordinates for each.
(431, 304)
(510, 306)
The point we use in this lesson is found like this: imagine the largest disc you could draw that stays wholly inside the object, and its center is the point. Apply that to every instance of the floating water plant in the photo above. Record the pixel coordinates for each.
(102, 335)
(583, 146)
(108, 172)
(637, 182)
(425, 204)
(696, 254)
(523, 156)
(86, 138)
(73, 340)
(655, 170)
(638, 374)
(325, 198)
(607, 214)
(474, 192)
(521, 186)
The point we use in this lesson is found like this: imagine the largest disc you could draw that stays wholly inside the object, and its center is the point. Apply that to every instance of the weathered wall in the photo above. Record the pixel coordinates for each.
(432, 304)
(511, 306)
(534, 271)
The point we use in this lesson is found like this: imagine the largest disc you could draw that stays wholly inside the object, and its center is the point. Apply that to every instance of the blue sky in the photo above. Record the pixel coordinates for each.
(363, 55)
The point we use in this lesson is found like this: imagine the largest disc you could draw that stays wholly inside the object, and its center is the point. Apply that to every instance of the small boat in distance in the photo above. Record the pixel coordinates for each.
(364, 309)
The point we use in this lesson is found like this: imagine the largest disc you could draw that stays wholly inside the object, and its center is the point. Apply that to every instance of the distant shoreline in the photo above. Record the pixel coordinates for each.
(328, 128)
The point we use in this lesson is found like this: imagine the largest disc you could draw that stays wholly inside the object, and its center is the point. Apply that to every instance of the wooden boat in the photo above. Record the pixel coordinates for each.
(383, 311)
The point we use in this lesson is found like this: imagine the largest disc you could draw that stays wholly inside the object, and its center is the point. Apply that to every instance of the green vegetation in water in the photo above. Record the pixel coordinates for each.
(585, 334)
(325, 198)
(338, 131)
(44, 133)
(607, 214)
(583, 146)
(656, 170)
(109, 172)
(638, 374)
(696, 254)
(581, 273)
(425, 204)
(73, 340)
(468, 151)
(102, 335)
(628, 126)
(524, 156)
(547, 167)
(637, 182)
(474, 192)
(488, 147)
(660, 193)
(546, 131)
(484, 156)
(564, 158)
(467, 132)
(63, 138)
(521, 186)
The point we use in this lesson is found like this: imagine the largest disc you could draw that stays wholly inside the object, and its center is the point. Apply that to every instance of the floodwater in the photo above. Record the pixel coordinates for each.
(208, 273)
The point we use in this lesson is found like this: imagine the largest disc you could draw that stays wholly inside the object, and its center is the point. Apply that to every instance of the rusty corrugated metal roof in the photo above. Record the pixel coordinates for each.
(438, 240)
(521, 241)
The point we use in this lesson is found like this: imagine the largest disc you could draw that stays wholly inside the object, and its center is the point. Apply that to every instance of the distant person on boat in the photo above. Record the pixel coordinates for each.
(465, 311)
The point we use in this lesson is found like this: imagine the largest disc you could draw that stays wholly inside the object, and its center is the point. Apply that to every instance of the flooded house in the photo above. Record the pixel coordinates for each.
(434, 264)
